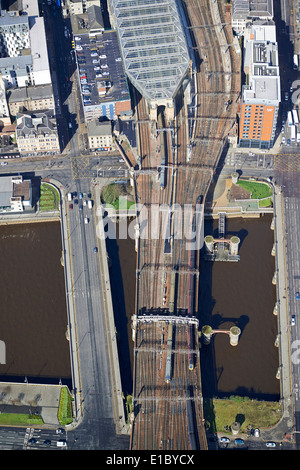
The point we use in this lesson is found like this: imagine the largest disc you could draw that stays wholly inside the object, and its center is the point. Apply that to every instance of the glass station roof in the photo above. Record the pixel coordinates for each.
(153, 45)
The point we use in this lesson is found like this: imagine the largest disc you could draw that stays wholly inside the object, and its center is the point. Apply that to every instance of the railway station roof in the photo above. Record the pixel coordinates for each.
(153, 45)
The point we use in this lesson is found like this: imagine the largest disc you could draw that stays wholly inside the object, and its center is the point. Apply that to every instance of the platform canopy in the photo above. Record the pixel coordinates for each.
(153, 45)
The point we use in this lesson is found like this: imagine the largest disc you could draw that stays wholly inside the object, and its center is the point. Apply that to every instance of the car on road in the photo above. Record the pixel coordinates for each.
(297, 295)
(270, 444)
(256, 432)
(288, 142)
(3, 163)
(81, 207)
(80, 195)
(283, 140)
(224, 439)
(95, 249)
(60, 431)
(239, 442)
(47, 442)
(70, 206)
(32, 440)
(75, 201)
(293, 320)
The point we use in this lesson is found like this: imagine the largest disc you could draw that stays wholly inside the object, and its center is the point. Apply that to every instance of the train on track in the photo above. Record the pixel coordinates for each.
(190, 421)
(168, 371)
(163, 147)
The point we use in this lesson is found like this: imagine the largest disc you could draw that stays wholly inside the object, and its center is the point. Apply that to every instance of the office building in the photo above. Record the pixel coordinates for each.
(245, 12)
(261, 94)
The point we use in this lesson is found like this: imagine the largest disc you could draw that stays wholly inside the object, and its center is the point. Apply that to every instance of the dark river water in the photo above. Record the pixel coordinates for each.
(34, 319)
(33, 314)
(239, 294)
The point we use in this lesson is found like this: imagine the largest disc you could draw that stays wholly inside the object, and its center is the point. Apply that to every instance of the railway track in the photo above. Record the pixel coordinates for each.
(161, 411)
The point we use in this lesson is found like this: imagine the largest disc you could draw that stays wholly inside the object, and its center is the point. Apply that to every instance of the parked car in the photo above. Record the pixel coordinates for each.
(293, 320)
(224, 439)
(270, 444)
(239, 442)
(297, 295)
(95, 249)
(71, 206)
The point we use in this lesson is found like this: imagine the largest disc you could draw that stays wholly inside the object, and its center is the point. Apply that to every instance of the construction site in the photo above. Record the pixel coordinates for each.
(181, 137)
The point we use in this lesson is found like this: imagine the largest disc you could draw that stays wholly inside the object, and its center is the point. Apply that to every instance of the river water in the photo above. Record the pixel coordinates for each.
(239, 294)
(34, 319)
(33, 313)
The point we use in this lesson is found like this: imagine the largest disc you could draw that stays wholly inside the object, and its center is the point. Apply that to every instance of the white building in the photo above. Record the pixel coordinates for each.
(15, 194)
(23, 47)
(245, 12)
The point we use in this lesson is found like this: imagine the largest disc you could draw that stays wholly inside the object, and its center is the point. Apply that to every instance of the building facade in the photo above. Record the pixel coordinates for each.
(261, 95)
(36, 133)
(34, 98)
(100, 135)
(15, 194)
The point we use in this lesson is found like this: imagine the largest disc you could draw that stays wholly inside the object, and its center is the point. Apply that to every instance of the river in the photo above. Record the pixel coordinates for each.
(239, 293)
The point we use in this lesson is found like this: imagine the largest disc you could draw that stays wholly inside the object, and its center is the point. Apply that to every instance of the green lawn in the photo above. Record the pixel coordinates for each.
(261, 191)
(49, 198)
(257, 190)
(18, 419)
(65, 407)
(221, 413)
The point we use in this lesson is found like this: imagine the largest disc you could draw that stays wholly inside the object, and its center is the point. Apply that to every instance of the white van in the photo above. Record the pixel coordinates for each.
(61, 443)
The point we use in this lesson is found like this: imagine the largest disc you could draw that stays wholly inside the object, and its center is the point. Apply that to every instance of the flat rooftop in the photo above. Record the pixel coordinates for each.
(99, 61)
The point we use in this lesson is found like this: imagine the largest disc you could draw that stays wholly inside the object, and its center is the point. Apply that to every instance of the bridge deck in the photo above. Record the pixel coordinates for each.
(161, 408)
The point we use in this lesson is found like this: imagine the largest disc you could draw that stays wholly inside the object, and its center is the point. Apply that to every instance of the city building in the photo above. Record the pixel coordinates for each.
(32, 98)
(261, 94)
(78, 7)
(100, 135)
(154, 49)
(36, 133)
(15, 194)
(245, 12)
(23, 47)
(4, 111)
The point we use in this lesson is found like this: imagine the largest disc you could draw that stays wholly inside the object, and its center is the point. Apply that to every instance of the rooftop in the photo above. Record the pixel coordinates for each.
(153, 45)
(98, 128)
(103, 69)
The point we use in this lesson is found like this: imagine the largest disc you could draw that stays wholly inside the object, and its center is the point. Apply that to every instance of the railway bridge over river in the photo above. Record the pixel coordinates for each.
(185, 96)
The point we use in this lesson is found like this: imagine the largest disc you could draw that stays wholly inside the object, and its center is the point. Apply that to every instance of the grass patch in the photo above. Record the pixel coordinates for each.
(18, 419)
(221, 413)
(257, 190)
(65, 407)
(49, 198)
(113, 193)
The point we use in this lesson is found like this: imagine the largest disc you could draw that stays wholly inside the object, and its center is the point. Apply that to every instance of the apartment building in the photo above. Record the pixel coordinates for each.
(261, 94)
(23, 48)
(36, 133)
(32, 98)
(100, 135)
(4, 111)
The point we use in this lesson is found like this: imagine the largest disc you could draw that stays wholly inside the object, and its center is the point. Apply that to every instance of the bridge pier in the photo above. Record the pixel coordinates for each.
(233, 333)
